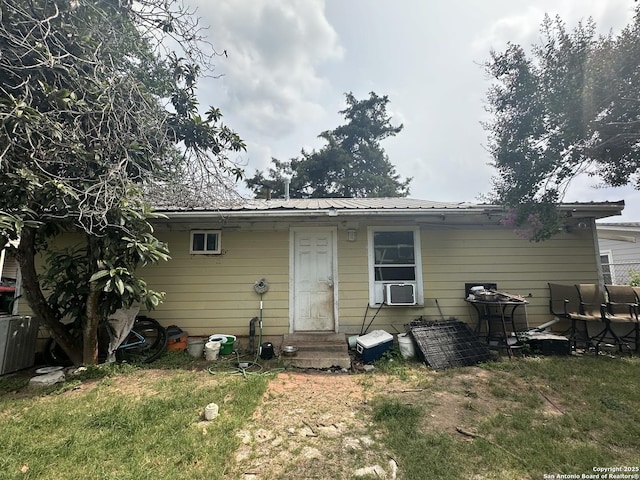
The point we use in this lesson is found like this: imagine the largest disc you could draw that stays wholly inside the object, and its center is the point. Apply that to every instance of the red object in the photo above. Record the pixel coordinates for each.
(177, 344)
(7, 289)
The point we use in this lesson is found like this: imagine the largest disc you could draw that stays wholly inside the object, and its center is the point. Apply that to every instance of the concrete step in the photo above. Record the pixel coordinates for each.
(317, 350)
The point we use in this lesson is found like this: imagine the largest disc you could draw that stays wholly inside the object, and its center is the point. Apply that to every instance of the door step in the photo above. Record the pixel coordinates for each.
(317, 350)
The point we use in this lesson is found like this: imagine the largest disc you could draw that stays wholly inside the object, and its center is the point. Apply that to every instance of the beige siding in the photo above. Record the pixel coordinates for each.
(208, 294)
(452, 257)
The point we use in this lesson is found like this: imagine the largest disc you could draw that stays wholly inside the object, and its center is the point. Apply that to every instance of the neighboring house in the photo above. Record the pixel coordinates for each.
(8, 266)
(8, 276)
(619, 251)
(328, 263)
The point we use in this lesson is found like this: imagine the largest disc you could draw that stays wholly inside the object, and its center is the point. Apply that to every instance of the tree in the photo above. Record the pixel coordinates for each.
(94, 112)
(570, 107)
(352, 164)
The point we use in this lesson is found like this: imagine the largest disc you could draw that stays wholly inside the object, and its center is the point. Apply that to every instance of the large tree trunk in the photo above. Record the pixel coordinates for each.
(26, 254)
(90, 330)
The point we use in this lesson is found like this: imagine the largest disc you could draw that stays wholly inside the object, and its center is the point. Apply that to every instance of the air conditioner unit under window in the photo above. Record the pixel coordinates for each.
(400, 294)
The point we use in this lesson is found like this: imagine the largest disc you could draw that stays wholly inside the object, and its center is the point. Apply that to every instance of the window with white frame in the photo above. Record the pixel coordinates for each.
(607, 268)
(394, 258)
(205, 242)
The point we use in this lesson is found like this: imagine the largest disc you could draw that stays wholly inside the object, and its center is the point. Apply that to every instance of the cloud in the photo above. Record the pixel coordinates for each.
(522, 26)
(275, 50)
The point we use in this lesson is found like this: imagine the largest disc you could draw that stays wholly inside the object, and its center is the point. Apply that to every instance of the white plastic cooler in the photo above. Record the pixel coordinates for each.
(371, 346)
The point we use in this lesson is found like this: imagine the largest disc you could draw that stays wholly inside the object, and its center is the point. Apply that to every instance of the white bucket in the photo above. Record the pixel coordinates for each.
(405, 342)
(195, 346)
(211, 350)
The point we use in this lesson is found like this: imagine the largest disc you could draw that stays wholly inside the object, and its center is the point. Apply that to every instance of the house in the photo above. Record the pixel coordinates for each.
(619, 251)
(350, 265)
(8, 276)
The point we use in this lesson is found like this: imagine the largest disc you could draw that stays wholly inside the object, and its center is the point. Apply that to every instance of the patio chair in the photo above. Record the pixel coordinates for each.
(593, 301)
(636, 290)
(564, 302)
(623, 301)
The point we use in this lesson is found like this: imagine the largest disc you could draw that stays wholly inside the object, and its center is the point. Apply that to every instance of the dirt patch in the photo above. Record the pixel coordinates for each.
(311, 425)
(318, 425)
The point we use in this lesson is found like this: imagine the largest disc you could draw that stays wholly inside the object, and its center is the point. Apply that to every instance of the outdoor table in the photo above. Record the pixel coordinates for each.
(501, 311)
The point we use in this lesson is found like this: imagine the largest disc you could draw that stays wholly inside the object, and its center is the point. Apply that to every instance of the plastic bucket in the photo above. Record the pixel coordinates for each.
(211, 411)
(226, 348)
(405, 342)
(195, 346)
(211, 350)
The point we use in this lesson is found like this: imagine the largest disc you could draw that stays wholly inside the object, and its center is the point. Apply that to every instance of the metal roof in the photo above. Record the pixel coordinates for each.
(350, 204)
(329, 203)
(364, 206)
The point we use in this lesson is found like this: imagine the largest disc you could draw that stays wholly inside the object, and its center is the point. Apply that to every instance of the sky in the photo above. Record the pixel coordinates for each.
(289, 63)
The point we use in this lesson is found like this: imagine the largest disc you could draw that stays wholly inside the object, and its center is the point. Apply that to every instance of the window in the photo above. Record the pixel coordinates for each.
(205, 241)
(607, 271)
(394, 257)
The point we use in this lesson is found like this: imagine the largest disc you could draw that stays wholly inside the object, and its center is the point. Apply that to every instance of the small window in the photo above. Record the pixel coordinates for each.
(205, 241)
(607, 270)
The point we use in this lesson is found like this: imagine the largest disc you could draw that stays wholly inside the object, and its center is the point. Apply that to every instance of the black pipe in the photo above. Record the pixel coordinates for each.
(252, 334)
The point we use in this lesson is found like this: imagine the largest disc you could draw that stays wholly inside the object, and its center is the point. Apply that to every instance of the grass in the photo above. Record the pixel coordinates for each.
(594, 421)
(523, 419)
(124, 425)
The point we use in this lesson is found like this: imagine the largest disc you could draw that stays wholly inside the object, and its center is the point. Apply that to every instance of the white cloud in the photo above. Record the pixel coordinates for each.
(520, 28)
(522, 25)
(271, 81)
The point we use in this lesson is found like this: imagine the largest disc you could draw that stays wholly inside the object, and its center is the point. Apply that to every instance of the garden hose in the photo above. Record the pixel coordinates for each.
(244, 369)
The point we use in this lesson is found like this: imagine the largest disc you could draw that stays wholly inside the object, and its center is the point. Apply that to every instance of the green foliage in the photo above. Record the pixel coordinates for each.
(634, 278)
(567, 108)
(352, 164)
(96, 113)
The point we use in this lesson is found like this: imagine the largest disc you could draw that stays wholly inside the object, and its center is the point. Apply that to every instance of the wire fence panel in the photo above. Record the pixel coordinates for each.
(620, 273)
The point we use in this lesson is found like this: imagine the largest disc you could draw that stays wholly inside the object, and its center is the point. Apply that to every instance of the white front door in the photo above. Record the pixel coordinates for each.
(313, 293)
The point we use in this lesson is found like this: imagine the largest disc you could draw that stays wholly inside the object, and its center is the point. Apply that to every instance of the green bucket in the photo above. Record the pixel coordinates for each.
(226, 347)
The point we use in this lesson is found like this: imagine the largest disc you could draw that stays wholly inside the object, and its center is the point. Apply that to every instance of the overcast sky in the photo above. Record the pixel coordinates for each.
(290, 63)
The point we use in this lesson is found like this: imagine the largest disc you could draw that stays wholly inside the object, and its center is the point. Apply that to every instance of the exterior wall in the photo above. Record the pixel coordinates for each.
(214, 294)
(209, 294)
(453, 257)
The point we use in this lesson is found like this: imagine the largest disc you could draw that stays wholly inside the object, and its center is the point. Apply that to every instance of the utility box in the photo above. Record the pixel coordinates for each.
(18, 337)
(371, 346)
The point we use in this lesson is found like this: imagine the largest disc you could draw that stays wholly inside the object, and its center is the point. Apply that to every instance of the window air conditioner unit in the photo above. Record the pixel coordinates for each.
(400, 294)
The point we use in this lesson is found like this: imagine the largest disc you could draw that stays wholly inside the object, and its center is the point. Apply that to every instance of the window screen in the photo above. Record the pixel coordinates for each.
(394, 256)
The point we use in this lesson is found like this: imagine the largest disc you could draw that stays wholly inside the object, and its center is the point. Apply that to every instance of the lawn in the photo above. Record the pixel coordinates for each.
(529, 418)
